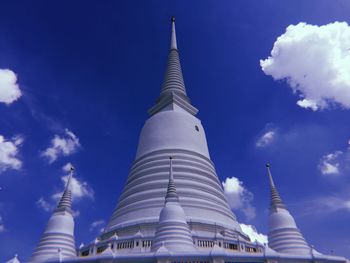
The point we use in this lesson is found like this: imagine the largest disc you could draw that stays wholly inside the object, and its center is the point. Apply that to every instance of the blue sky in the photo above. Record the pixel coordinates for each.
(87, 73)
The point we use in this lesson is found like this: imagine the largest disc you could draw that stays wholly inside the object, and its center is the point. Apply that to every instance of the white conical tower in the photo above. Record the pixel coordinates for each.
(284, 235)
(58, 237)
(173, 130)
(173, 231)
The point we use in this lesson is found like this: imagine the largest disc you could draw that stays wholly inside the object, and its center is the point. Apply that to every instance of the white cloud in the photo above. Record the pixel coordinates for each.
(315, 61)
(2, 225)
(333, 164)
(42, 203)
(96, 224)
(333, 203)
(328, 168)
(308, 104)
(329, 164)
(253, 234)
(266, 139)
(238, 197)
(326, 205)
(67, 167)
(80, 189)
(62, 146)
(9, 90)
(75, 213)
(336, 163)
(9, 153)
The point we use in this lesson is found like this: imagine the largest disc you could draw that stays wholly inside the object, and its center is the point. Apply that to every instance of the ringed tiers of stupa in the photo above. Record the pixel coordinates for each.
(173, 208)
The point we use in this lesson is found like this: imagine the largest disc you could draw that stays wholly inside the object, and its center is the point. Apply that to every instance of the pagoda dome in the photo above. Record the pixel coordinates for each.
(281, 219)
(60, 223)
(172, 212)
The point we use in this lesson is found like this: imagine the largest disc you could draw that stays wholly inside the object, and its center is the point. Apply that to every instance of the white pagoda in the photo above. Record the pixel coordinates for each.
(173, 208)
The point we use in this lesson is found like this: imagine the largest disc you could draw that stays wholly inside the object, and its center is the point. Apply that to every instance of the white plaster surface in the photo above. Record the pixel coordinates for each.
(172, 130)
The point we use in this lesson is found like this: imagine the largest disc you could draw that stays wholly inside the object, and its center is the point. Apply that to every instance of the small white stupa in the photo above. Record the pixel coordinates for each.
(284, 235)
(172, 231)
(57, 241)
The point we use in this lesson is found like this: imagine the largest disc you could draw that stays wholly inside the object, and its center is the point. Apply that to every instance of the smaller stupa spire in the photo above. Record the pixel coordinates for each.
(57, 241)
(276, 200)
(14, 260)
(171, 194)
(173, 232)
(284, 235)
(173, 44)
(65, 202)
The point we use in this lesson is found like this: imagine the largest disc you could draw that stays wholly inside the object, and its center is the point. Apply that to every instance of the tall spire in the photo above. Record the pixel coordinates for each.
(173, 80)
(65, 202)
(284, 235)
(171, 195)
(276, 201)
(58, 237)
(172, 231)
(173, 44)
(173, 94)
